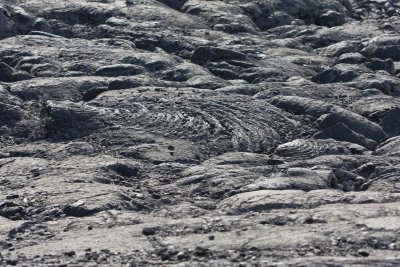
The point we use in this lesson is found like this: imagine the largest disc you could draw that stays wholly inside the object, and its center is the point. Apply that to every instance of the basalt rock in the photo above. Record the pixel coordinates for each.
(199, 133)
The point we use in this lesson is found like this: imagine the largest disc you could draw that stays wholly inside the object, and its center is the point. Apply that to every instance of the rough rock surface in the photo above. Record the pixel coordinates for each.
(199, 133)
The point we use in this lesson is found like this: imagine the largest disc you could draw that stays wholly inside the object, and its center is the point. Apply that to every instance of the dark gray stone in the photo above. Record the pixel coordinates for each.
(118, 70)
(204, 54)
(341, 132)
(391, 122)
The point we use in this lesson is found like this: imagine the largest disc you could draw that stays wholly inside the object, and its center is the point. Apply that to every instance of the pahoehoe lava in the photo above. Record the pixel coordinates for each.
(199, 133)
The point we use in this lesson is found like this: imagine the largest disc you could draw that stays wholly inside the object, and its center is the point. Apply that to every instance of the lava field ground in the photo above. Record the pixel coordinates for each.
(199, 133)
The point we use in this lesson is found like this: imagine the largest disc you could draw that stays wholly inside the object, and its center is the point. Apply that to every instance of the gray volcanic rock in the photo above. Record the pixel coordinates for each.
(265, 200)
(308, 148)
(391, 122)
(389, 148)
(199, 133)
(118, 70)
(9, 74)
(203, 55)
(70, 120)
(342, 132)
(384, 47)
(356, 122)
